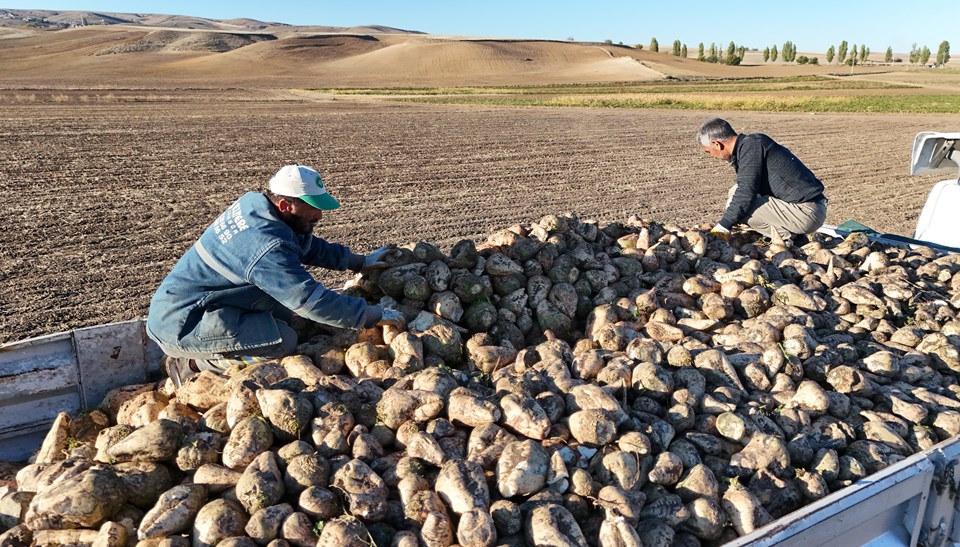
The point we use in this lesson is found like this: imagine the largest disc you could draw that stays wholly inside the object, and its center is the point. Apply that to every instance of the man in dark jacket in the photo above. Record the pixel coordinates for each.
(774, 190)
(230, 297)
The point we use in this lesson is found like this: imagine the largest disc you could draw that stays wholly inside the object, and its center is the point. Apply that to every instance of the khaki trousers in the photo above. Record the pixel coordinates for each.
(768, 213)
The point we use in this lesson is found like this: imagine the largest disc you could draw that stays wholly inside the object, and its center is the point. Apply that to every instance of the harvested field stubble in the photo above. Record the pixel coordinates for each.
(562, 382)
(103, 196)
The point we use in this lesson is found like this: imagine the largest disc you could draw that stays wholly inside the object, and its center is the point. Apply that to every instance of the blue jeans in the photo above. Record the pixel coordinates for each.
(205, 361)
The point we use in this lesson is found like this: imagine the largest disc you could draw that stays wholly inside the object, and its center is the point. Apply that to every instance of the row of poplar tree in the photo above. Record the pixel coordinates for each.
(844, 53)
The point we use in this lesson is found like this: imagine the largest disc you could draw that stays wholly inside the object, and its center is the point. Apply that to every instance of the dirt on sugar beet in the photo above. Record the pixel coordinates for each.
(103, 196)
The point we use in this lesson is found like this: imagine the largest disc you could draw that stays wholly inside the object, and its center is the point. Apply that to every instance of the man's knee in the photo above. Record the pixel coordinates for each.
(768, 228)
(811, 219)
(286, 346)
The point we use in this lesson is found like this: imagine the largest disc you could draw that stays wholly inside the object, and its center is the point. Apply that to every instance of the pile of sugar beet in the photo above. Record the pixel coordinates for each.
(562, 383)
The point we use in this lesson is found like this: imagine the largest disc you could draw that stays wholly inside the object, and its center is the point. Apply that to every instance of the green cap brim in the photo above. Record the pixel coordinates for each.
(324, 202)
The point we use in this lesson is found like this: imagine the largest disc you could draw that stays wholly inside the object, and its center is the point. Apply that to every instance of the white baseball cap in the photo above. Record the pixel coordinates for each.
(298, 181)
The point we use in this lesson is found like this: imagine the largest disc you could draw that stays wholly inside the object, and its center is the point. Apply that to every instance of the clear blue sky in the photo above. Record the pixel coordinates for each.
(812, 25)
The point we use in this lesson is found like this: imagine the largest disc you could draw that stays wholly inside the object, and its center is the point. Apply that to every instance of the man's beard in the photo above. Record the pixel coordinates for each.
(302, 226)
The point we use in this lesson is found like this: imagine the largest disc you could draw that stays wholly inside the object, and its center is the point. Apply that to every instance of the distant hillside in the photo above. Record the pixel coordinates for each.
(41, 48)
(175, 40)
(53, 19)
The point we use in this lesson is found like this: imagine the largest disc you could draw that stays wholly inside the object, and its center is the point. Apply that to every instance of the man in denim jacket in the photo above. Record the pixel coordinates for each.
(230, 297)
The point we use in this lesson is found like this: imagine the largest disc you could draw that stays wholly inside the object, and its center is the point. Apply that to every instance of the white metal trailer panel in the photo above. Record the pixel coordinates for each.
(884, 509)
(939, 153)
(911, 503)
(66, 372)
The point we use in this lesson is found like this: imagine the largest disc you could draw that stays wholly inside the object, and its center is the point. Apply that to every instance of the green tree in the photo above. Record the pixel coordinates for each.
(789, 51)
(773, 53)
(830, 54)
(700, 55)
(683, 51)
(924, 55)
(608, 41)
(943, 53)
(654, 45)
(638, 46)
(734, 54)
(712, 56)
(864, 53)
(766, 54)
(914, 53)
(853, 55)
(842, 52)
(741, 52)
(888, 56)
(676, 48)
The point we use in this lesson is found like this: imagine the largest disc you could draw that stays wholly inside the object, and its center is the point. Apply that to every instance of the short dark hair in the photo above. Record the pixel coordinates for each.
(715, 129)
(274, 198)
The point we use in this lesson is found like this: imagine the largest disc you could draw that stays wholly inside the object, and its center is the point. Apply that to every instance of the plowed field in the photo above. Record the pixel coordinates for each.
(103, 191)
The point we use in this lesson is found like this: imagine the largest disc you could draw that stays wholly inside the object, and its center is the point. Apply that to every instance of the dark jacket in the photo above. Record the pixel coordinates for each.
(766, 168)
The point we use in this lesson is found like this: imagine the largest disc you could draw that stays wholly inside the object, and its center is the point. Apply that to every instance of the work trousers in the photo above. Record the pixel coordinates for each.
(768, 213)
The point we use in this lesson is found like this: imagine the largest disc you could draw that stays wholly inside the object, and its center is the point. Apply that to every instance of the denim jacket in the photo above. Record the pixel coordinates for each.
(221, 295)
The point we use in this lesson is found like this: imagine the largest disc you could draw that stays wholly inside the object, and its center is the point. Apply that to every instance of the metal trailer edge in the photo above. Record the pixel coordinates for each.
(913, 502)
(67, 372)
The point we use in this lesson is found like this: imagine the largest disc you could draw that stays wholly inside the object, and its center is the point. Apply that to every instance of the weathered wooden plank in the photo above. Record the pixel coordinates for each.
(37, 354)
(44, 340)
(15, 415)
(66, 372)
(109, 356)
(19, 445)
(35, 384)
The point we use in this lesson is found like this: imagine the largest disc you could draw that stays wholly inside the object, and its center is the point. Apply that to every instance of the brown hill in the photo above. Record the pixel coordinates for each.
(50, 19)
(125, 55)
